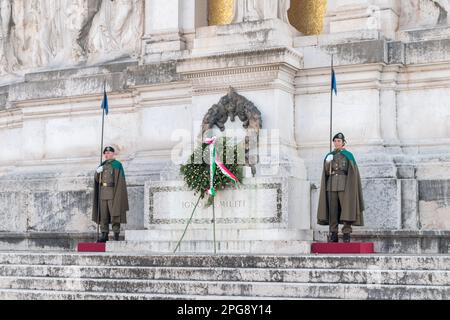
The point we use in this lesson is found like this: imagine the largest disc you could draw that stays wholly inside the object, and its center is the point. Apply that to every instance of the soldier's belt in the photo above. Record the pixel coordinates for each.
(339, 173)
(108, 185)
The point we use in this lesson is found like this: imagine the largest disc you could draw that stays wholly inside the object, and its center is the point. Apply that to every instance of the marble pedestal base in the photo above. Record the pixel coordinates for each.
(263, 215)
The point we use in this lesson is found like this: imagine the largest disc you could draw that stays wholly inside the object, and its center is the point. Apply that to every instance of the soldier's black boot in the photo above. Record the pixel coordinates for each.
(116, 236)
(347, 237)
(103, 238)
(333, 237)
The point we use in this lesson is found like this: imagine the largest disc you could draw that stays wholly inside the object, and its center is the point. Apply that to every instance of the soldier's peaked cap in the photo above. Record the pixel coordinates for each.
(340, 135)
(109, 149)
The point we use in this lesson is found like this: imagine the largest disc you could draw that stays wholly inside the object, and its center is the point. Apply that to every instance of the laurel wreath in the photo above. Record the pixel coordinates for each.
(197, 175)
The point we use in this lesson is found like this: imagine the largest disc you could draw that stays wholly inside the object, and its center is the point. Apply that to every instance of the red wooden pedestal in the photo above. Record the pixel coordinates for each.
(91, 247)
(343, 248)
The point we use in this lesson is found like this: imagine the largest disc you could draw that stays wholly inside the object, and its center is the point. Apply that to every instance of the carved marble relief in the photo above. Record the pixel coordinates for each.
(49, 33)
(416, 14)
(114, 30)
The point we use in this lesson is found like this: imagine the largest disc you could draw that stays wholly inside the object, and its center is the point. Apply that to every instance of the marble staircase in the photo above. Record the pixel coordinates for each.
(25, 275)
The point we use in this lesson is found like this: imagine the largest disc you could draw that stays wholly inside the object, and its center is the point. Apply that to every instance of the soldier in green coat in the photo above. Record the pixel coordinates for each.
(341, 198)
(113, 198)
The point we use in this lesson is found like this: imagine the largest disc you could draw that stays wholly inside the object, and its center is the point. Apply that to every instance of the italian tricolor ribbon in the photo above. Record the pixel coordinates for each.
(216, 162)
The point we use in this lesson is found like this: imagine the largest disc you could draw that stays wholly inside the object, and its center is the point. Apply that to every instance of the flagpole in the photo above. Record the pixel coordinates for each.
(187, 225)
(213, 164)
(101, 161)
(214, 225)
(331, 103)
(331, 130)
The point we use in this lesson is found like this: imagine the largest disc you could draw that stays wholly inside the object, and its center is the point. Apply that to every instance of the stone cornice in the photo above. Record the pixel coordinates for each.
(85, 82)
(424, 76)
(313, 81)
(163, 94)
(11, 119)
(377, 76)
(241, 58)
(247, 69)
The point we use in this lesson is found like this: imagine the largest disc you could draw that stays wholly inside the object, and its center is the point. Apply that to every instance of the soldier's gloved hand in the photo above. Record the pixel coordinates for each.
(100, 169)
(329, 158)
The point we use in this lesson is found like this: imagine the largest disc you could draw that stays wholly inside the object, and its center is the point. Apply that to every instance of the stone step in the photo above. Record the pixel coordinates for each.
(340, 262)
(222, 234)
(124, 276)
(400, 241)
(212, 288)
(10, 294)
(206, 246)
(42, 241)
(365, 276)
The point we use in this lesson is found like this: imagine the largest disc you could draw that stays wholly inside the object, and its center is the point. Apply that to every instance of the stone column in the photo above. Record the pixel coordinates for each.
(169, 25)
(255, 23)
(388, 109)
(162, 28)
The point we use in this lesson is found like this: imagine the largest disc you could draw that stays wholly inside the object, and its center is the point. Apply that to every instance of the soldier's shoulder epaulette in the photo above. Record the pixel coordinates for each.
(116, 164)
(346, 152)
(349, 156)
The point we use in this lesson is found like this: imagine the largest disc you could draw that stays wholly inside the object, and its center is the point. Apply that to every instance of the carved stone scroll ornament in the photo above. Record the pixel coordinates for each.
(229, 107)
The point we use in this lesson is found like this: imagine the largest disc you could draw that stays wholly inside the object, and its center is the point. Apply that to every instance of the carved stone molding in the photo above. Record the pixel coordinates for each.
(259, 69)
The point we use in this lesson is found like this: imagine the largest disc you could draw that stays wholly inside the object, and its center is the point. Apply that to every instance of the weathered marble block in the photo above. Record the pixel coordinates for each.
(53, 211)
(383, 204)
(48, 205)
(11, 203)
(263, 215)
(257, 203)
(434, 204)
(382, 199)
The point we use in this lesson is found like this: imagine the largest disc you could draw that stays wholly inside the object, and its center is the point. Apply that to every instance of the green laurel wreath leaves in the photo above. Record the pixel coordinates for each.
(196, 172)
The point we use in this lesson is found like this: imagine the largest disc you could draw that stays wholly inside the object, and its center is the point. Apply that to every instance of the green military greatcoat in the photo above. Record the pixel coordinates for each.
(352, 204)
(120, 195)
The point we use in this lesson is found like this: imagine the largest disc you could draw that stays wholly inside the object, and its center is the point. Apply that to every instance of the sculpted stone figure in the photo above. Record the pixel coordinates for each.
(5, 30)
(245, 10)
(424, 13)
(25, 33)
(49, 33)
(283, 8)
(46, 32)
(5, 17)
(117, 28)
(93, 7)
(75, 18)
(252, 10)
(444, 11)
